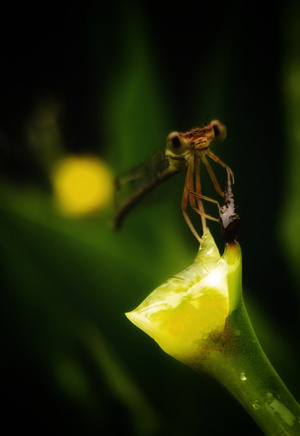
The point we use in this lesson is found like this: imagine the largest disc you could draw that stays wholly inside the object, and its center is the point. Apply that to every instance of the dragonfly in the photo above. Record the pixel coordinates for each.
(183, 151)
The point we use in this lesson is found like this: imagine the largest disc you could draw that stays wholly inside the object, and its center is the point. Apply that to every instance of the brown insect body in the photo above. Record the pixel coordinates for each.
(188, 150)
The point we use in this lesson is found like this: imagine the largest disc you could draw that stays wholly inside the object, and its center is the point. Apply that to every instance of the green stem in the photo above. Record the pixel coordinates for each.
(241, 366)
(237, 361)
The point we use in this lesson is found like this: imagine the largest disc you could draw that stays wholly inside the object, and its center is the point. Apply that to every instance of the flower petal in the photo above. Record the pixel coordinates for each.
(185, 310)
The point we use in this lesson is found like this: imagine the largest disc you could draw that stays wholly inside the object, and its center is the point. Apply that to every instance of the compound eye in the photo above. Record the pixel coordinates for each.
(175, 143)
(220, 130)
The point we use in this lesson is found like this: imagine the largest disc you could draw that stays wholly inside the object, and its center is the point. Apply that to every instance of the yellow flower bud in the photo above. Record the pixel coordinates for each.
(198, 317)
(187, 313)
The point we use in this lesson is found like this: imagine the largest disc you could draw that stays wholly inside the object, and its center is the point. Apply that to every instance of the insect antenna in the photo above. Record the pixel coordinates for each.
(207, 120)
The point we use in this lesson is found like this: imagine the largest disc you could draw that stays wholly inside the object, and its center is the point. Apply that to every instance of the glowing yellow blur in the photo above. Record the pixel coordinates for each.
(82, 185)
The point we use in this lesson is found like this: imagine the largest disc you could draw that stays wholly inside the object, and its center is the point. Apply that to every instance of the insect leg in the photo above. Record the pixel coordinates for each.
(203, 197)
(188, 197)
(212, 176)
(218, 160)
(202, 213)
(197, 193)
(205, 215)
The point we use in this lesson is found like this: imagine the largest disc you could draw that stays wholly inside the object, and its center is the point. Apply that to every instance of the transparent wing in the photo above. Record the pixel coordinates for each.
(134, 185)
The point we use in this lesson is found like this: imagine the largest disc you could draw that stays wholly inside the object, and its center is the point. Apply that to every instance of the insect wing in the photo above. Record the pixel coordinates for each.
(134, 185)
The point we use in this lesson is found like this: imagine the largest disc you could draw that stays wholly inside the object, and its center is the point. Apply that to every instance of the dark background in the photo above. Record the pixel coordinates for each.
(117, 78)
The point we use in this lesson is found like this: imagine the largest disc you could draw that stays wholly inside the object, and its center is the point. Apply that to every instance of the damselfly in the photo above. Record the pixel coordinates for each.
(183, 150)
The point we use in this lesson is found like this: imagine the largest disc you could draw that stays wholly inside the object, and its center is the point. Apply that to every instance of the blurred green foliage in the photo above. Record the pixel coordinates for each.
(122, 76)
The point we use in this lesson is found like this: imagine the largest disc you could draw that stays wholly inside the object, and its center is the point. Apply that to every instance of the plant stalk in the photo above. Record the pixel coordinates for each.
(237, 361)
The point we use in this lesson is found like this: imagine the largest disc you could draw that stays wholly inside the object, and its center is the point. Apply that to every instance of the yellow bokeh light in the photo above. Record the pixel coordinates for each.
(82, 185)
